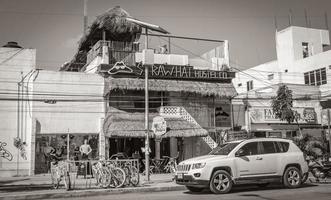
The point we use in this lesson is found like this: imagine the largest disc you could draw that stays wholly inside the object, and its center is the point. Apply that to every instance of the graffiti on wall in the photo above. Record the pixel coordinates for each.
(21, 146)
(4, 153)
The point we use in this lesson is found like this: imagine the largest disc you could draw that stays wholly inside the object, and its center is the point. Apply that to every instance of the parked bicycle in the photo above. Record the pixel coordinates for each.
(132, 173)
(59, 171)
(108, 175)
(171, 164)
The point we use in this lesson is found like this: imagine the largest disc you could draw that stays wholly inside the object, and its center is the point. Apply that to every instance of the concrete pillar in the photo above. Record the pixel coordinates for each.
(157, 149)
(173, 147)
(33, 147)
(197, 146)
(102, 139)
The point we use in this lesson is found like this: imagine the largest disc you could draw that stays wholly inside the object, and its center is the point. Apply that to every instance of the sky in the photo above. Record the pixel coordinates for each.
(54, 27)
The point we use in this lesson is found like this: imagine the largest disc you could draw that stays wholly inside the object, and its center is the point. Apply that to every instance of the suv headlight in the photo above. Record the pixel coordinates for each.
(198, 165)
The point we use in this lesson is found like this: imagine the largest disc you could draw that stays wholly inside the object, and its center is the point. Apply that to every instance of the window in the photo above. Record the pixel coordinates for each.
(306, 76)
(283, 146)
(275, 134)
(134, 101)
(305, 50)
(224, 149)
(270, 76)
(249, 85)
(315, 77)
(278, 147)
(326, 47)
(312, 78)
(291, 134)
(323, 76)
(268, 147)
(250, 149)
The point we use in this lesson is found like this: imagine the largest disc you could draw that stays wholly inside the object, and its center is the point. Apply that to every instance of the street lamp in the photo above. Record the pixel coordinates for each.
(147, 60)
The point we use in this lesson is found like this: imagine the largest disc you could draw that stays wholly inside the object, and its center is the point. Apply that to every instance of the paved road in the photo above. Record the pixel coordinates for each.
(274, 192)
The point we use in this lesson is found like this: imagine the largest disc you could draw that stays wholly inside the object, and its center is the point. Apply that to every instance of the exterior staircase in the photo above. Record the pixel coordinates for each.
(180, 112)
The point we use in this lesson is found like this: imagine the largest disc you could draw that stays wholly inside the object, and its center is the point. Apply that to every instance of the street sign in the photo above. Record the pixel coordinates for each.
(159, 126)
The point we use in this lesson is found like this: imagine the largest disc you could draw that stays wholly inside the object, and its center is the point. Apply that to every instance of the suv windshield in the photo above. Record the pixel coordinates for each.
(224, 149)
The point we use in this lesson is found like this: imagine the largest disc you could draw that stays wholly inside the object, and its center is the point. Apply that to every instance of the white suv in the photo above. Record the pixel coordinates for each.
(258, 161)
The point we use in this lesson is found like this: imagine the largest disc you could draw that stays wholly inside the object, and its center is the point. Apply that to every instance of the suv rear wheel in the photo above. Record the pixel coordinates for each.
(292, 177)
(220, 182)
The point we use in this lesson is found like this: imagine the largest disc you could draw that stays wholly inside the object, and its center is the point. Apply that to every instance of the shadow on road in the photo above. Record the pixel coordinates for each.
(24, 188)
(250, 188)
(12, 181)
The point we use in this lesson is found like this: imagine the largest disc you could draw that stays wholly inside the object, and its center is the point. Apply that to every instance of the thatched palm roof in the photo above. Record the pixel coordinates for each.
(204, 88)
(123, 124)
(116, 26)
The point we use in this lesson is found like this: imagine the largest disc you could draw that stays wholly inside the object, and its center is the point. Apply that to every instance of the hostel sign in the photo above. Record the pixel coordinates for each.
(266, 115)
(161, 71)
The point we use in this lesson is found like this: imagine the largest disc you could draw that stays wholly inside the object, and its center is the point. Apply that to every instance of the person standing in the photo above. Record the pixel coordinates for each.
(48, 150)
(85, 150)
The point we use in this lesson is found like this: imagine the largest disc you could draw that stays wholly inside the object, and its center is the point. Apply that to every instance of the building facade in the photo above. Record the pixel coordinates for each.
(303, 64)
(99, 97)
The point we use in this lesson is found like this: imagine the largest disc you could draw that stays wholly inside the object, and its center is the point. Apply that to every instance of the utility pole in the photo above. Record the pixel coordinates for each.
(290, 17)
(85, 17)
(329, 122)
(146, 111)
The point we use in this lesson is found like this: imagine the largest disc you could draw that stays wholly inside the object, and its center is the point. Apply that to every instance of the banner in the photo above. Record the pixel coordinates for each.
(266, 115)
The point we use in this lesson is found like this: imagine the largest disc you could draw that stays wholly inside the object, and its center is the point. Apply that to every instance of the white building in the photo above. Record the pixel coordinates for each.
(304, 64)
(302, 58)
(38, 105)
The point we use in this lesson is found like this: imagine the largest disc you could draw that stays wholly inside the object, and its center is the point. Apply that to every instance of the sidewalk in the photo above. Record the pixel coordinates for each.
(39, 187)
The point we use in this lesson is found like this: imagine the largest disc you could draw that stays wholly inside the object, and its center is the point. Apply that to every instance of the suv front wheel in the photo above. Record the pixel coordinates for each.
(292, 177)
(220, 182)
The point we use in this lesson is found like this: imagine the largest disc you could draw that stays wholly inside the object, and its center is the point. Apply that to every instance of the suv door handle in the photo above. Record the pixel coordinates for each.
(259, 158)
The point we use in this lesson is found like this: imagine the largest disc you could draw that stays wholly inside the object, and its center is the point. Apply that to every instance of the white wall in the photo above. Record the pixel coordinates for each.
(259, 76)
(79, 103)
(170, 59)
(15, 63)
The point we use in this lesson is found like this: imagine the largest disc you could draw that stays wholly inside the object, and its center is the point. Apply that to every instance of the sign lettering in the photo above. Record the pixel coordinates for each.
(266, 115)
(160, 71)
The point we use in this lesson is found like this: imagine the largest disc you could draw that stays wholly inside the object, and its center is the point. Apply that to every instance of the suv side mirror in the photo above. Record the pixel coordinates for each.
(240, 153)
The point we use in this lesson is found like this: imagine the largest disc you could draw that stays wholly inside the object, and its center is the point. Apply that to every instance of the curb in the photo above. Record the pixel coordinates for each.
(95, 192)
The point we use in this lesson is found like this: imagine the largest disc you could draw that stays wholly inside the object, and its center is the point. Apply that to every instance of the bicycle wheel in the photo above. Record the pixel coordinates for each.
(127, 174)
(67, 182)
(55, 178)
(105, 178)
(118, 177)
(134, 176)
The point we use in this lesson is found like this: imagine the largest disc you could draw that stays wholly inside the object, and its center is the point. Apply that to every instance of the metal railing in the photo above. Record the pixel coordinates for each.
(117, 51)
(83, 177)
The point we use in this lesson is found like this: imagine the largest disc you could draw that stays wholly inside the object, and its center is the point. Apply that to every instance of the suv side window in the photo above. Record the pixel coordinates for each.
(250, 148)
(283, 146)
(278, 147)
(268, 147)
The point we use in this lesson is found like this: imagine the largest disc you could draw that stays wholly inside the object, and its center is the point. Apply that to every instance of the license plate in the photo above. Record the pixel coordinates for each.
(179, 176)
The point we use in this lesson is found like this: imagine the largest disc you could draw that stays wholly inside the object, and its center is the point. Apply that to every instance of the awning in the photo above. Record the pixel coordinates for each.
(203, 88)
(124, 124)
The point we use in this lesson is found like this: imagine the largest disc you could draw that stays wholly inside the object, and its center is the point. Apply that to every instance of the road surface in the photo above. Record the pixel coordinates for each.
(273, 192)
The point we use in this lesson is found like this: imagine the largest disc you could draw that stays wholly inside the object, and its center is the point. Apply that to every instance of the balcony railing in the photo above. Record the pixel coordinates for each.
(117, 51)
